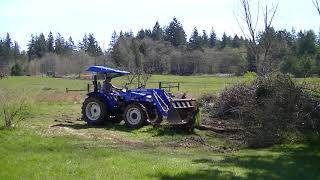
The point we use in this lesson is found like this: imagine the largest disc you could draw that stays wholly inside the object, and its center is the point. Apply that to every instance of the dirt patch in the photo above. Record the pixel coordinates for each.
(188, 142)
(67, 125)
(226, 125)
(227, 129)
(83, 132)
(197, 141)
(61, 97)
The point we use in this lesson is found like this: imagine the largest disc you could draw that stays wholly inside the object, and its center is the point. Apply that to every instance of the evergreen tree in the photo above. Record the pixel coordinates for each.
(60, 44)
(16, 50)
(213, 39)
(93, 49)
(50, 42)
(70, 44)
(6, 48)
(3, 55)
(16, 70)
(31, 48)
(113, 41)
(116, 51)
(141, 34)
(175, 34)
(129, 34)
(121, 34)
(226, 41)
(195, 40)
(307, 43)
(148, 33)
(40, 46)
(8, 42)
(236, 42)
(157, 32)
(83, 45)
(205, 39)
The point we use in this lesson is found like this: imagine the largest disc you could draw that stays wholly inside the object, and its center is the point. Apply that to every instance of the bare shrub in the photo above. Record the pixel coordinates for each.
(208, 104)
(278, 107)
(230, 100)
(60, 65)
(14, 107)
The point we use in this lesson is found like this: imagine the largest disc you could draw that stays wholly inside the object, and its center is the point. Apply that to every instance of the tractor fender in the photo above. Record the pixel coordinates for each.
(98, 95)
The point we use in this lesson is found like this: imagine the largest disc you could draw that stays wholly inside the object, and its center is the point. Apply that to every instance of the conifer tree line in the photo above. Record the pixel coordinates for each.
(161, 50)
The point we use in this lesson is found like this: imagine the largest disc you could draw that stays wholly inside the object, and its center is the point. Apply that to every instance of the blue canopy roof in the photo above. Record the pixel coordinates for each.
(109, 71)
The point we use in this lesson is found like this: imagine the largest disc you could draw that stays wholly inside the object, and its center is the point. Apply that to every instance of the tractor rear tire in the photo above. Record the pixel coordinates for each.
(94, 111)
(134, 116)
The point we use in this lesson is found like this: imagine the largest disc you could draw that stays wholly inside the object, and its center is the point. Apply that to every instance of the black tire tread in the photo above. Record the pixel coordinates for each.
(103, 115)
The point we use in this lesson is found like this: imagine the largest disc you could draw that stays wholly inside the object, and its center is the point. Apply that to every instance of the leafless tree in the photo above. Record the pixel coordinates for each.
(317, 5)
(268, 38)
(130, 80)
(253, 31)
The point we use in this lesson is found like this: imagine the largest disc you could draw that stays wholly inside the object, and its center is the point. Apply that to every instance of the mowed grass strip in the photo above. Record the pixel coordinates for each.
(27, 156)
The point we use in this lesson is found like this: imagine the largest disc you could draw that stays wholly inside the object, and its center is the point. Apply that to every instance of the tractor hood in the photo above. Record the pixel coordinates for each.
(111, 72)
(138, 93)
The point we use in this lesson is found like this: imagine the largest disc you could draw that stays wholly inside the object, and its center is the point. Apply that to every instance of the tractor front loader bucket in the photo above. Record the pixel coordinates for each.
(183, 111)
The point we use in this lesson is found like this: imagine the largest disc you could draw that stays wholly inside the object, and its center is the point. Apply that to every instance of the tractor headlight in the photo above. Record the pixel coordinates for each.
(149, 98)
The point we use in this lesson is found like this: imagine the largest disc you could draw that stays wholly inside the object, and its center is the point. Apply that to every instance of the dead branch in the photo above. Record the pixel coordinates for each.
(268, 38)
(253, 32)
(252, 28)
(317, 5)
(130, 79)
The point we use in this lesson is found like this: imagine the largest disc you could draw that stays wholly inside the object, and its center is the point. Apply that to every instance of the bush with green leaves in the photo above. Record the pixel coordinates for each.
(14, 107)
(16, 70)
(250, 76)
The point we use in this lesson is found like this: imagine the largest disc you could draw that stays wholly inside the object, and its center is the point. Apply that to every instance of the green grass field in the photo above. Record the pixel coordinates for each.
(194, 85)
(53, 144)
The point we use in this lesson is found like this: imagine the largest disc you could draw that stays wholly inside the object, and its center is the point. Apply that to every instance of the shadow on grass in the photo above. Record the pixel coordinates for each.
(287, 163)
(77, 126)
(107, 126)
(166, 130)
(202, 174)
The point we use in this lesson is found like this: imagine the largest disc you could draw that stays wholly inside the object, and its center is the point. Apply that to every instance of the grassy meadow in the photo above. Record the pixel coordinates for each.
(52, 143)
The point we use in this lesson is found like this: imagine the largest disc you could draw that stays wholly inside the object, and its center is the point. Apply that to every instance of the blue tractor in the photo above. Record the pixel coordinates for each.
(137, 107)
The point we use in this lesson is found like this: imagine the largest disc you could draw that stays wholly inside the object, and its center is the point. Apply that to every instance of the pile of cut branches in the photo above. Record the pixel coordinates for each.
(269, 108)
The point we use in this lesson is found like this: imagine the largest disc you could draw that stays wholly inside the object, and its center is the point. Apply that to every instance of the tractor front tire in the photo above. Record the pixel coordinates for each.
(134, 116)
(94, 111)
(154, 118)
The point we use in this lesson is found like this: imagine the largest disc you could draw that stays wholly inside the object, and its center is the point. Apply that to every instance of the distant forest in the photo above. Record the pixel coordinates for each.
(164, 50)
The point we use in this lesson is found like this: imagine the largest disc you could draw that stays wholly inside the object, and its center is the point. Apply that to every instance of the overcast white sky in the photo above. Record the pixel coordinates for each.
(21, 18)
